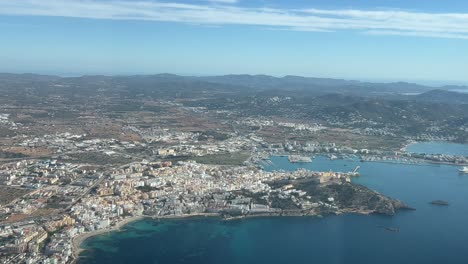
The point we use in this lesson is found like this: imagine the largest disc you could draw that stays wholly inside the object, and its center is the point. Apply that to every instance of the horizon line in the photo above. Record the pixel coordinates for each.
(422, 82)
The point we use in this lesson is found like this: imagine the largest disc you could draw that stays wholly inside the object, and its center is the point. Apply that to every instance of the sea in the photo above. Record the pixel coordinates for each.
(435, 147)
(430, 234)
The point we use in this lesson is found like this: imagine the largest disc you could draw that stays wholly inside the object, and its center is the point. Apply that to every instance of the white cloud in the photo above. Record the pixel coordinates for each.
(382, 22)
(416, 34)
(223, 1)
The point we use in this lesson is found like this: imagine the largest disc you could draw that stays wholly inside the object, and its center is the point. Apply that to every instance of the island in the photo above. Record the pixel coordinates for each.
(440, 202)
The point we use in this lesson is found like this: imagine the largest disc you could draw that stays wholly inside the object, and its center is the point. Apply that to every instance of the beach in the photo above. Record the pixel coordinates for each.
(79, 239)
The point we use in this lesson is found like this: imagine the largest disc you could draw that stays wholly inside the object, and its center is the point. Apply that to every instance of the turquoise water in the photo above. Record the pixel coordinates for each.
(439, 148)
(431, 234)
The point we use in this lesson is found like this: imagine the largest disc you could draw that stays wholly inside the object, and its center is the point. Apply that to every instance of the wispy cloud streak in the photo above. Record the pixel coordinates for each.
(222, 1)
(222, 12)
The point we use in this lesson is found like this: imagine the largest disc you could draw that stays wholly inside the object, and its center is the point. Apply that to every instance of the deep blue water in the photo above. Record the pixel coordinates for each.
(438, 148)
(431, 234)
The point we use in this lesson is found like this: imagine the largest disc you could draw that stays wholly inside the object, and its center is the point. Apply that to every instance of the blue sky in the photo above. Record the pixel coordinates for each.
(413, 40)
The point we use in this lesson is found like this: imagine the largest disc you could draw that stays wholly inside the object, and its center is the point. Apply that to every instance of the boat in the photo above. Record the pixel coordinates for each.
(464, 170)
(392, 229)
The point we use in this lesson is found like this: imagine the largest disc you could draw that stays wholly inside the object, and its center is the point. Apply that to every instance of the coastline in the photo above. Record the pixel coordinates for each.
(78, 240)
(417, 161)
(407, 144)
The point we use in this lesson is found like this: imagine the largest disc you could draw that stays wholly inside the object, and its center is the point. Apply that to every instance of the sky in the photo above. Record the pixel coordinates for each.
(409, 40)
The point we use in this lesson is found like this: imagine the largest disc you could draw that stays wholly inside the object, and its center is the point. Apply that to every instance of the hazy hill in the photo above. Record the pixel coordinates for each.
(181, 86)
(317, 85)
(442, 96)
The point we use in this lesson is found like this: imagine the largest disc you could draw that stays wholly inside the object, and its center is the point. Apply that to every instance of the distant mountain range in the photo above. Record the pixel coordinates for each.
(443, 96)
(317, 84)
(297, 85)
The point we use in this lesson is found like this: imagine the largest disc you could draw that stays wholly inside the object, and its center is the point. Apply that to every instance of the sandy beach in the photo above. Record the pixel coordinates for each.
(79, 239)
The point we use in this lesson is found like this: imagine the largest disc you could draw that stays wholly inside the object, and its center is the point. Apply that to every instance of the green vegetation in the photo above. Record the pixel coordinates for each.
(126, 106)
(99, 158)
(154, 108)
(5, 132)
(65, 115)
(285, 204)
(49, 238)
(205, 135)
(11, 155)
(8, 194)
(232, 159)
(146, 188)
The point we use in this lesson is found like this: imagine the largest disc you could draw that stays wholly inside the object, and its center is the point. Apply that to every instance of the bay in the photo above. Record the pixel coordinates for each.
(435, 147)
(431, 234)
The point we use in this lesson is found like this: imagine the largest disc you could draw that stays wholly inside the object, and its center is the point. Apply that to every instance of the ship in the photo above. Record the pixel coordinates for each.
(464, 170)
(299, 159)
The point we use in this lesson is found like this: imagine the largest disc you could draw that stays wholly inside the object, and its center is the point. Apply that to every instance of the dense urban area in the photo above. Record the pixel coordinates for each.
(88, 154)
